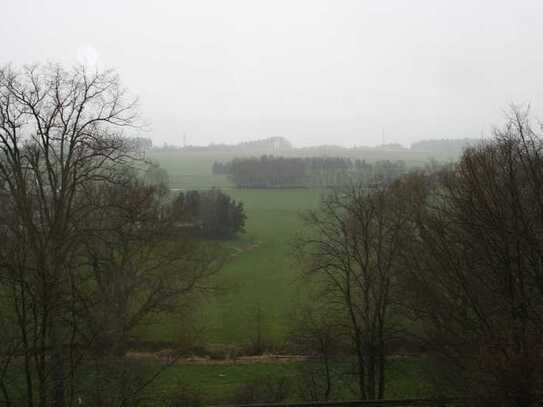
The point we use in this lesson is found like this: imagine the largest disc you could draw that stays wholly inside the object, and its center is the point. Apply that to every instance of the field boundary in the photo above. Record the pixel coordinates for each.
(169, 356)
(435, 402)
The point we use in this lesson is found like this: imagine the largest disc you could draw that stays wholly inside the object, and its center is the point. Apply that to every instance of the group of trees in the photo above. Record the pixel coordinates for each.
(452, 257)
(273, 172)
(211, 214)
(353, 248)
(266, 172)
(89, 249)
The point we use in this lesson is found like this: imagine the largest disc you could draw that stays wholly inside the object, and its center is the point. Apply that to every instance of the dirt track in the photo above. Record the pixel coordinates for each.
(168, 356)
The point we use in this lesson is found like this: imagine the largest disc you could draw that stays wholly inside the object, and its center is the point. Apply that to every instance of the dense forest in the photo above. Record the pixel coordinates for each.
(286, 172)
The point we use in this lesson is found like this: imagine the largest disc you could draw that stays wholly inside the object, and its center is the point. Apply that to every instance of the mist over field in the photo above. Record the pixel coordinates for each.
(313, 71)
(271, 203)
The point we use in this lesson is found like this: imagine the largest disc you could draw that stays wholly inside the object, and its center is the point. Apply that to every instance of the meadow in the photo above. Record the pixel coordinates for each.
(217, 384)
(260, 288)
(259, 283)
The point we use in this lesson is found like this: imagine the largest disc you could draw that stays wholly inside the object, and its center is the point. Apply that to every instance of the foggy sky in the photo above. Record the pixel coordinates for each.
(314, 71)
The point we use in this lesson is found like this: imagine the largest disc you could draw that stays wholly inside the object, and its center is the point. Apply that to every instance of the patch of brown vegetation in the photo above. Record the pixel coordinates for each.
(170, 356)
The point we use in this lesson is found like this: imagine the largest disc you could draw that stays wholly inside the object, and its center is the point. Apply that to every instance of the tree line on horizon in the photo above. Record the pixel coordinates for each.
(290, 172)
(281, 145)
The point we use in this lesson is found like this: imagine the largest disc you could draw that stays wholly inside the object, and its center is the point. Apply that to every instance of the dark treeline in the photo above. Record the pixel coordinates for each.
(211, 214)
(275, 172)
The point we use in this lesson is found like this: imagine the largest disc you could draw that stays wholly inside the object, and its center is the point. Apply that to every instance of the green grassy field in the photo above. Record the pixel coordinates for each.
(192, 170)
(264, 276)
(219, 384)
(261, 275)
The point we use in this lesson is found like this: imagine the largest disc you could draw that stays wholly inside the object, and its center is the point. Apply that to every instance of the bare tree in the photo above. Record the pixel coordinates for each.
(316, 333)
(140, 261)
(475, 267)
(59, 131)
(353, 247)
(60, 143)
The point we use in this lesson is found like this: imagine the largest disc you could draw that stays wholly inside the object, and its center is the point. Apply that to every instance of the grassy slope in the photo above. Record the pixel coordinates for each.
(191, 170)
(263, 276)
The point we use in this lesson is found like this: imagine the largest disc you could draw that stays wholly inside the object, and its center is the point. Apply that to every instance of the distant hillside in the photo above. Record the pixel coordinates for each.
(273, 144)
(269, 145)
(453, 146)
(418, 153)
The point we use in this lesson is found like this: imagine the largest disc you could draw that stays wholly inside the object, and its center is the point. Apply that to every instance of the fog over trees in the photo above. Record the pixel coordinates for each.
(227, 203)
(443, 259)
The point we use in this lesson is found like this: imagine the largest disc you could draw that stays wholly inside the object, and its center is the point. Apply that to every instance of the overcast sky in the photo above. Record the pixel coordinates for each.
(314, 71)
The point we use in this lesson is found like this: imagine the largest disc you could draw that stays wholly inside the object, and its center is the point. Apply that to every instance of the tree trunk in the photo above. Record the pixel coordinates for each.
(381, 370)
(57, 366)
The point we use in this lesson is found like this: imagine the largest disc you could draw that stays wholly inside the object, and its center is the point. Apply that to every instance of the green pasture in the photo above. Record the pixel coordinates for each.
(219, 384)
(259, 275)
(260, 283)
(192, 170)
(155, 384)
(264, 277)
